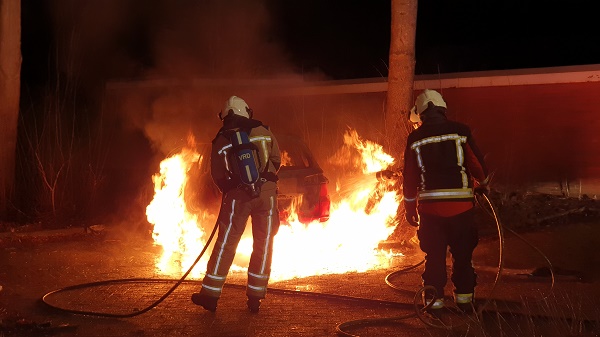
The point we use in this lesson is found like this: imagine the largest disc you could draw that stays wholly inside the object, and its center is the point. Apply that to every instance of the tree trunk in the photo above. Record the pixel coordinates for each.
(10, 87)
(400, 93)
(401, 75)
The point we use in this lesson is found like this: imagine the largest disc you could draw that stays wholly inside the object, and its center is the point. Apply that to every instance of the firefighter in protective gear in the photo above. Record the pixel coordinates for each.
(442, 166)
(238, 205)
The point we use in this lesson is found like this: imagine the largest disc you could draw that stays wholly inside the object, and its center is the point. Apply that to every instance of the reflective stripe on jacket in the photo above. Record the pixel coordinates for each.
(440, 160)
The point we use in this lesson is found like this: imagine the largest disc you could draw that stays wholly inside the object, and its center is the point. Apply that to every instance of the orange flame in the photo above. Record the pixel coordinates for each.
(175, 229)
(286, 160)
(347, 242)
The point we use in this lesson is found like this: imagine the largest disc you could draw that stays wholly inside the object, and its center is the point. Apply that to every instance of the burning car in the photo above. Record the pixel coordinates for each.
(343, 235)
(303, 187)
(302, 184)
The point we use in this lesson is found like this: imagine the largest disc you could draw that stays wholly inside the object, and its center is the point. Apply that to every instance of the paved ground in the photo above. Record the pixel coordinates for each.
(37, 263)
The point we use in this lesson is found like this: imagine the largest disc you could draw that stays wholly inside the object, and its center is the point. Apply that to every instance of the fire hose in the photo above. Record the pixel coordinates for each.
(416, 305)
(136, 312)
(419, 308)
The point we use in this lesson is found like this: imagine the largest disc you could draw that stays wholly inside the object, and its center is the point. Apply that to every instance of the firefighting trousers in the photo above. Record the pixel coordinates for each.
(236, 208)
(459, 233)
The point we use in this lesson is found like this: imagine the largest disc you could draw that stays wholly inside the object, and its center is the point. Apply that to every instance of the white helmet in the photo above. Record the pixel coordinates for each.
(235, 106)
(427, 96)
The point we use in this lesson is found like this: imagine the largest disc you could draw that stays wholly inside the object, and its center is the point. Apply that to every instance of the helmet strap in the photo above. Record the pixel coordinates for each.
(231, 113)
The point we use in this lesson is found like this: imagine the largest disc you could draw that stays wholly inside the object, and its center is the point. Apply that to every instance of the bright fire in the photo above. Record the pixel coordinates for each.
(362, 213)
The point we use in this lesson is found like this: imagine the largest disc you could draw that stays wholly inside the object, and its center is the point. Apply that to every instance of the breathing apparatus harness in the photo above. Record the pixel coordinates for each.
(245, 158)
(244, 155)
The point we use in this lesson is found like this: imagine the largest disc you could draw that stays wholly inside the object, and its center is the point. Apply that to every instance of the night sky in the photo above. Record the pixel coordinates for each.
(351, 39)
(345, 39)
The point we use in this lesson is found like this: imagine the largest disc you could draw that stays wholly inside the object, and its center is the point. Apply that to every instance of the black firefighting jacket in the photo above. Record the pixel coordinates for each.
(440, 161)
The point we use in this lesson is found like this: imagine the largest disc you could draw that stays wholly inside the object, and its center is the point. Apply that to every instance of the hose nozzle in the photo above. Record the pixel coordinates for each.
(386, 175)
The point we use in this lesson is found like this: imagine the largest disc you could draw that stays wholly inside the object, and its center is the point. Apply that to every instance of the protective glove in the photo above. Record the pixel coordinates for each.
(412, 217)
(482, 189)
(226, 185)
(385, 175)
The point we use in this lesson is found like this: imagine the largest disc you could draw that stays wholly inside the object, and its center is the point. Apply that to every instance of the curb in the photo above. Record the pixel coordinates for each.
(16, 239)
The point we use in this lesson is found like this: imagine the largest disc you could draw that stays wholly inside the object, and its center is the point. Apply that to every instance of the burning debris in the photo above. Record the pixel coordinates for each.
(347, 242)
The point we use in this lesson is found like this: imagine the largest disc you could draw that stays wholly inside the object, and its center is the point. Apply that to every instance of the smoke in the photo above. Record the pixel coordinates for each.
(175, 43)
(166, 67)
(218, 39)
(161, 70)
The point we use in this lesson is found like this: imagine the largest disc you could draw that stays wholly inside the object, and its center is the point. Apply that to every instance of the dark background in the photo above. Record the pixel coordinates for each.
(72, 48)
(350, 39)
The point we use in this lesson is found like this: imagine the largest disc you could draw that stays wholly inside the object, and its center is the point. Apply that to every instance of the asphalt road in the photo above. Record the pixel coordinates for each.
(524, 302)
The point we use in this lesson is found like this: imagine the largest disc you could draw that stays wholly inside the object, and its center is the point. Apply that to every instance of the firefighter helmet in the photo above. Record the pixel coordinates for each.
(422, 102)
(235, 106)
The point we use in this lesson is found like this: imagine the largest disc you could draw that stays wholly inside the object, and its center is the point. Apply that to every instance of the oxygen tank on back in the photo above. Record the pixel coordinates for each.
(245, 156)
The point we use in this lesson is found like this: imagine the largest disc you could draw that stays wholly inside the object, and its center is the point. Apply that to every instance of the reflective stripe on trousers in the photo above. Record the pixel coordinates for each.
(463, 298)
(264, 227)
(223, 253)
(235, 211)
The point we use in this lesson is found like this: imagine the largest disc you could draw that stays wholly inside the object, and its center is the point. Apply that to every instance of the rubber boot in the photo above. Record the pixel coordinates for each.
(437, 309)
(207, 302)
(253, 304)
(464, 303)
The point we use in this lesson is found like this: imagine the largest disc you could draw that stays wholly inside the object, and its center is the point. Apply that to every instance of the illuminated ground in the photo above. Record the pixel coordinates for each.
(30, 269)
